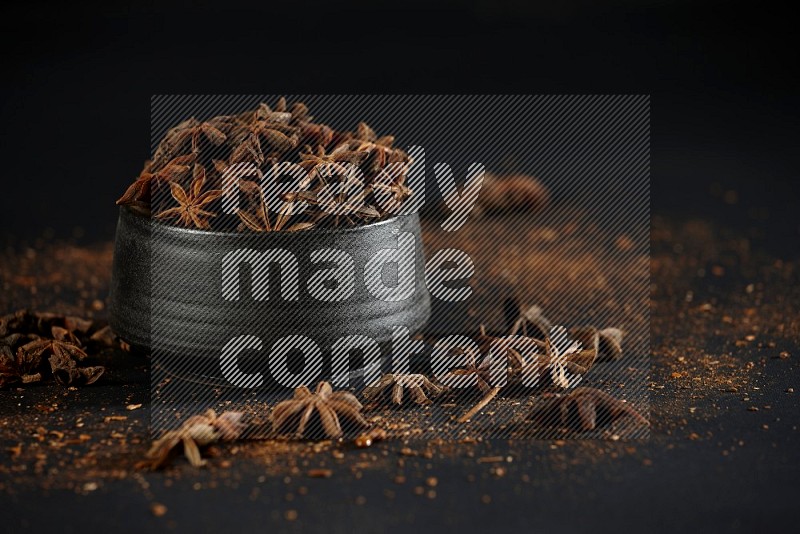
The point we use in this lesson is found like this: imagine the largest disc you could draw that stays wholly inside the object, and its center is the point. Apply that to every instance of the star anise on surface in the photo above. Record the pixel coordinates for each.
(66, 371)
(140, 190)
(26, 338)
(564, 361)
(17, 366)
(248, 150)
(610, 347)
(532, 323)
(473, 368)
(65, 351)
(418, 386)
(583, 409)
(319, 412)
(189, 211)
(64, 345)
(197, 431)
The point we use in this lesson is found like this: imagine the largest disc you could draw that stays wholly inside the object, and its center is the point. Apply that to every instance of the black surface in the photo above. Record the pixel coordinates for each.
(722, 456)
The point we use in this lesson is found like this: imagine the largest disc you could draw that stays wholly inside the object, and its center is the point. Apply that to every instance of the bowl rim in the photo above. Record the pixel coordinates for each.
(216, 233)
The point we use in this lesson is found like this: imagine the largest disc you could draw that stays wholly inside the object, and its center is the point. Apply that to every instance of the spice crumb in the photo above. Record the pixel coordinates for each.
(158, 509)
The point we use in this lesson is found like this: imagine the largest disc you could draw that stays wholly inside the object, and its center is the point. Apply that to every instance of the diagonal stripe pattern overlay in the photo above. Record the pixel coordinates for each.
(583, 260)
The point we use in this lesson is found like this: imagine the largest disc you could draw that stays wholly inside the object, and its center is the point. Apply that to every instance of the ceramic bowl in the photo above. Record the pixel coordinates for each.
(167, 296)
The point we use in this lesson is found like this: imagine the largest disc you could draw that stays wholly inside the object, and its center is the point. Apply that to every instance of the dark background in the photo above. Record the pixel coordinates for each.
(78, 81)
(75, 96)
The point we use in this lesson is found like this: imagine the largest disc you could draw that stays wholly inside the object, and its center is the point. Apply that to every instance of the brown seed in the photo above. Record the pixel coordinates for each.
(290, 515)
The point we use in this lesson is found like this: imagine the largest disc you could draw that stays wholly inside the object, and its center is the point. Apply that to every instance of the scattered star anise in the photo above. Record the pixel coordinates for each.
(16, 366)
(417, 385)
(26, 338)
(562, 356)
(64, 345)
(197, 431)
(189, 211)
(66, 371)
(610, 347)
(582, 409)
(320, 410)
(473, 366)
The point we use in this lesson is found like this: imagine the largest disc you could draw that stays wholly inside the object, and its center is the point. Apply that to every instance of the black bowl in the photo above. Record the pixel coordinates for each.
(167, 293)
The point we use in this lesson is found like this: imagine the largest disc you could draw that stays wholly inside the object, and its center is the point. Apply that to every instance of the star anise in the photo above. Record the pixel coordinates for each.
(316, 134)
(610, 348)
(197, 431)
(582, 409)
(564, 361)
(473, 368)
(267, 135)
(279, 137)
(66, 371)
(189, 211)
(202, 129)
(389, 187)
(532, 323)
(322, 163)
(26, 338)
(257, 222)
(140, 190)
(255, 216)
(65, 352)
(64, 346)
(16, 366)
(320, 410)
(419, 386)
(365, 134)
(248, 151)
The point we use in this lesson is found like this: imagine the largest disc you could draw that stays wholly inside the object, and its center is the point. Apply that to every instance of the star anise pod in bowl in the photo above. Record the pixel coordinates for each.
(260, 139)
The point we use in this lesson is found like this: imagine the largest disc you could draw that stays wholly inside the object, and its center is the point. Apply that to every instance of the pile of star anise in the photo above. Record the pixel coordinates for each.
(35, 345)
(349, 178)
